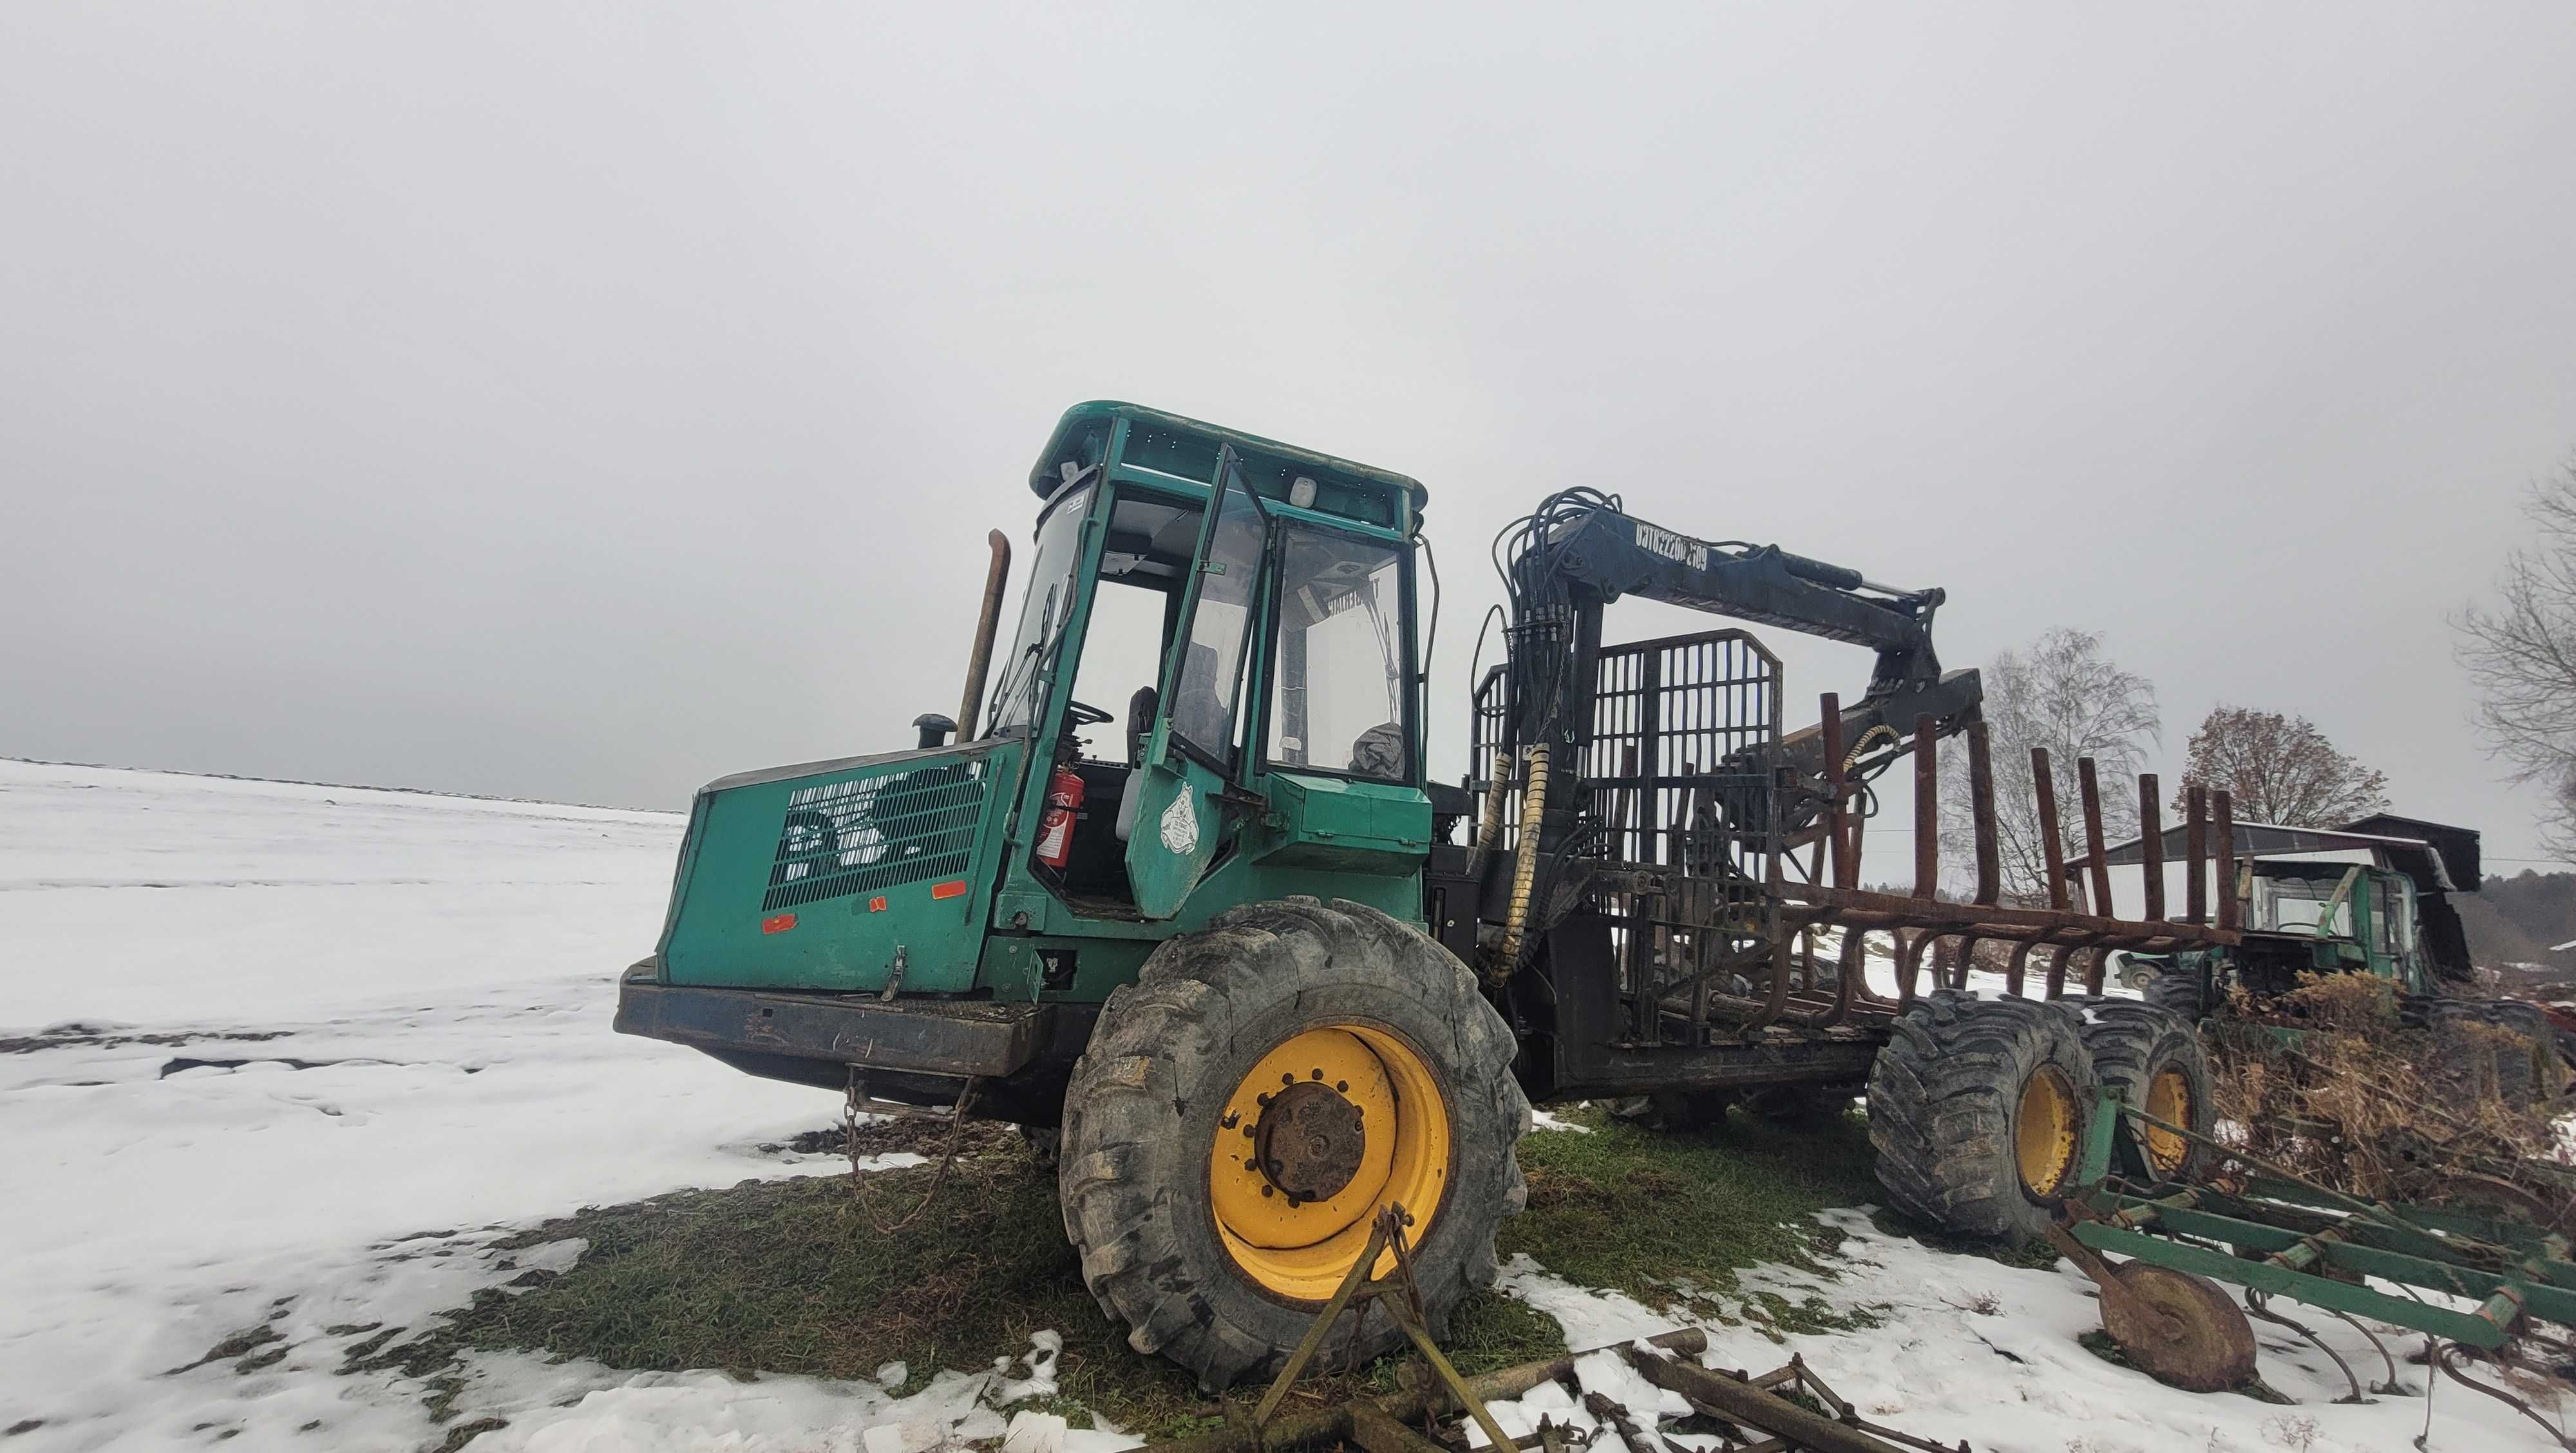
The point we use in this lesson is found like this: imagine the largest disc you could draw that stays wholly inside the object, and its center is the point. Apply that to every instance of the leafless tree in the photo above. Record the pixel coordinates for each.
(2520, 653)
(2278, 769)
(2062, 692)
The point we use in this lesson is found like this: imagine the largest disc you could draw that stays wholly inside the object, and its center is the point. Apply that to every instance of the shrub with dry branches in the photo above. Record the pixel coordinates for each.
(2361, 1103)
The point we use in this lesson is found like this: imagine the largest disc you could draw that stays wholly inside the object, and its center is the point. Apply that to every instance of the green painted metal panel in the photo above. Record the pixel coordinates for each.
(1185, 449)
(813, 877)
(1203, 694)
(1343, 823)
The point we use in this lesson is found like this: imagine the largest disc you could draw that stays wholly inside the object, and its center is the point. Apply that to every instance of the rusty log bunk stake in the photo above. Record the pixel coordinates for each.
(1981, 813)
(1927, 806)
(1838, 815)
(2151, 844)
(1909, 962)
(2020, 964)
(2224, 805)
(2089, 787)
(2089, 793)
(2195, 893)
(2052, 847)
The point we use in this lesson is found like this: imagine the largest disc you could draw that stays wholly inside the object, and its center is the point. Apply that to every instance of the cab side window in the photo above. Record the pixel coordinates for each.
(1337, 673)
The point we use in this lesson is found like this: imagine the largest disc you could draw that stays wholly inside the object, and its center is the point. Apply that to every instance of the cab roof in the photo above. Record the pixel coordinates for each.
(1081, 438)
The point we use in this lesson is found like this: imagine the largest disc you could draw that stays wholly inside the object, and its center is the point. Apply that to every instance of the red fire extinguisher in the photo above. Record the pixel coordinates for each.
(1055, 830)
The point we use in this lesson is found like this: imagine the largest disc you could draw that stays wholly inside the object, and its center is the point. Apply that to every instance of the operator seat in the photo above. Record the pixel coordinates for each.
(1140, 730)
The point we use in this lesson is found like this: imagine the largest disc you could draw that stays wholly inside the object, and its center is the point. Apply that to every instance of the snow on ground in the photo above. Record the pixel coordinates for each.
(1968, 1348)
(371, 1015)
(301, 1054)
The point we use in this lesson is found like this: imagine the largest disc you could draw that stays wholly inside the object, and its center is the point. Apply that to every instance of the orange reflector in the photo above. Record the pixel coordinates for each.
(780, 924)
(949, 890)
(876, 905)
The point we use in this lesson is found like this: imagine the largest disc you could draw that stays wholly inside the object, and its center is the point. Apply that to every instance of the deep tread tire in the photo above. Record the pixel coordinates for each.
(2523, 1081)
(2178, 991)
(1140, 1120)
(1943, 1095)
(2133, 1043)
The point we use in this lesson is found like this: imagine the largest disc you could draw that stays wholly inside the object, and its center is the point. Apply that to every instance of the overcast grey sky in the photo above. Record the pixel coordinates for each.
(584, 402)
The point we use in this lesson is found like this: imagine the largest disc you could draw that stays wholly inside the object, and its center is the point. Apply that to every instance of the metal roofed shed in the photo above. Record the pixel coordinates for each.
(2436, 859)
(2436, 865)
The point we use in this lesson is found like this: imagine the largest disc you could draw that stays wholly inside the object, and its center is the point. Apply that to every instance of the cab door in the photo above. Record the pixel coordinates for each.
(1190, 759)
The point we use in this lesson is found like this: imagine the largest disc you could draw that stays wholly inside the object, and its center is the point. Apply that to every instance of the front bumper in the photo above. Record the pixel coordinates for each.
(921, 1036)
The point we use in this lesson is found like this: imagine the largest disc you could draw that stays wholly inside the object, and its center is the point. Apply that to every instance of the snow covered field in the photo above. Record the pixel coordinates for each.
(292, 1057)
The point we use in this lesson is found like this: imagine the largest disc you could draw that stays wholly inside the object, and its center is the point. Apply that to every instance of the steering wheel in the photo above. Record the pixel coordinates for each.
(1080, 714)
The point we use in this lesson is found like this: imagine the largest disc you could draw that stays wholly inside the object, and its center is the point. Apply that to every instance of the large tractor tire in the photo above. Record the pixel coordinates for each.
(2179, 991)
(2527, 1073)
(1977, 1109)
(1250, 1103)
(2154, 1057)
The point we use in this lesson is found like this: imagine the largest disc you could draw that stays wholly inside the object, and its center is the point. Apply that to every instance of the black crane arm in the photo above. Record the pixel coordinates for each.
(1605, 553)
(1581, 551)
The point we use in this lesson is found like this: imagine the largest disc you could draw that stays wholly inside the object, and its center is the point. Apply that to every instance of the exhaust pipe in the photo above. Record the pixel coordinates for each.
(997, 575)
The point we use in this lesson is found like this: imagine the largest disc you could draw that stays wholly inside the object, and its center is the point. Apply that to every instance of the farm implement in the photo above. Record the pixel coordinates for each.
(2466, 1272)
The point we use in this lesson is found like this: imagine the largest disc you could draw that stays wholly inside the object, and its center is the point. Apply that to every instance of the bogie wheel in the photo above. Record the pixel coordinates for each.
(2178, 990)
(2154, 1057)
(1246, 1107)
(1977, 1109)
(2194, 1338)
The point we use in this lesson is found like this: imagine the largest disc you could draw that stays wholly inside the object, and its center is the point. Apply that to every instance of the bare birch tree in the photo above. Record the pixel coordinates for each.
(2277, 769)
(2520, 654)
(2062, 692)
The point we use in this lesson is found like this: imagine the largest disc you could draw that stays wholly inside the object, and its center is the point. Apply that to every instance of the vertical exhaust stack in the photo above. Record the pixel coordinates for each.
(996, 576)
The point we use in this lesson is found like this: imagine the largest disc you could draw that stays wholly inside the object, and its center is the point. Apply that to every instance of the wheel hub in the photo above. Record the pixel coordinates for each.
(1309, 1141)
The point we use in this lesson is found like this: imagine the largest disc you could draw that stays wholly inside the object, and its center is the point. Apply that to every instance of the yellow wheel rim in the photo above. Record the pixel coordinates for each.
(1349, 1118)
(2044, 1132)
(2169, 1100)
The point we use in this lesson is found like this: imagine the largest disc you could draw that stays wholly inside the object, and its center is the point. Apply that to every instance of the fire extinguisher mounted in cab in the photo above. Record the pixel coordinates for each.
(1055, 829)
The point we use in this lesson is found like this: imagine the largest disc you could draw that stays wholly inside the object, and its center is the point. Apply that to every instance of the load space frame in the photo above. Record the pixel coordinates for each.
(1691, 907)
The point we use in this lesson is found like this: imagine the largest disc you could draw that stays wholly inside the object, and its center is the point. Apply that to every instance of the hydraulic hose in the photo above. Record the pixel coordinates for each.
(1489, 823)
(1525, 859)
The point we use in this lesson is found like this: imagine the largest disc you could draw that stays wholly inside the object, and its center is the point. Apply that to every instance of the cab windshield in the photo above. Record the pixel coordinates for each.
(1043, 609)
(2299, 905)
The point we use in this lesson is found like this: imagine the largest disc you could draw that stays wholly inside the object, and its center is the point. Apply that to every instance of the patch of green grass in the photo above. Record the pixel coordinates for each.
(793, 1277)
(1670, 1217)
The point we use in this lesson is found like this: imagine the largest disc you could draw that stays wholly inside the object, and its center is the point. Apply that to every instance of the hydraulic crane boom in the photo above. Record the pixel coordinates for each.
(1580, 550)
